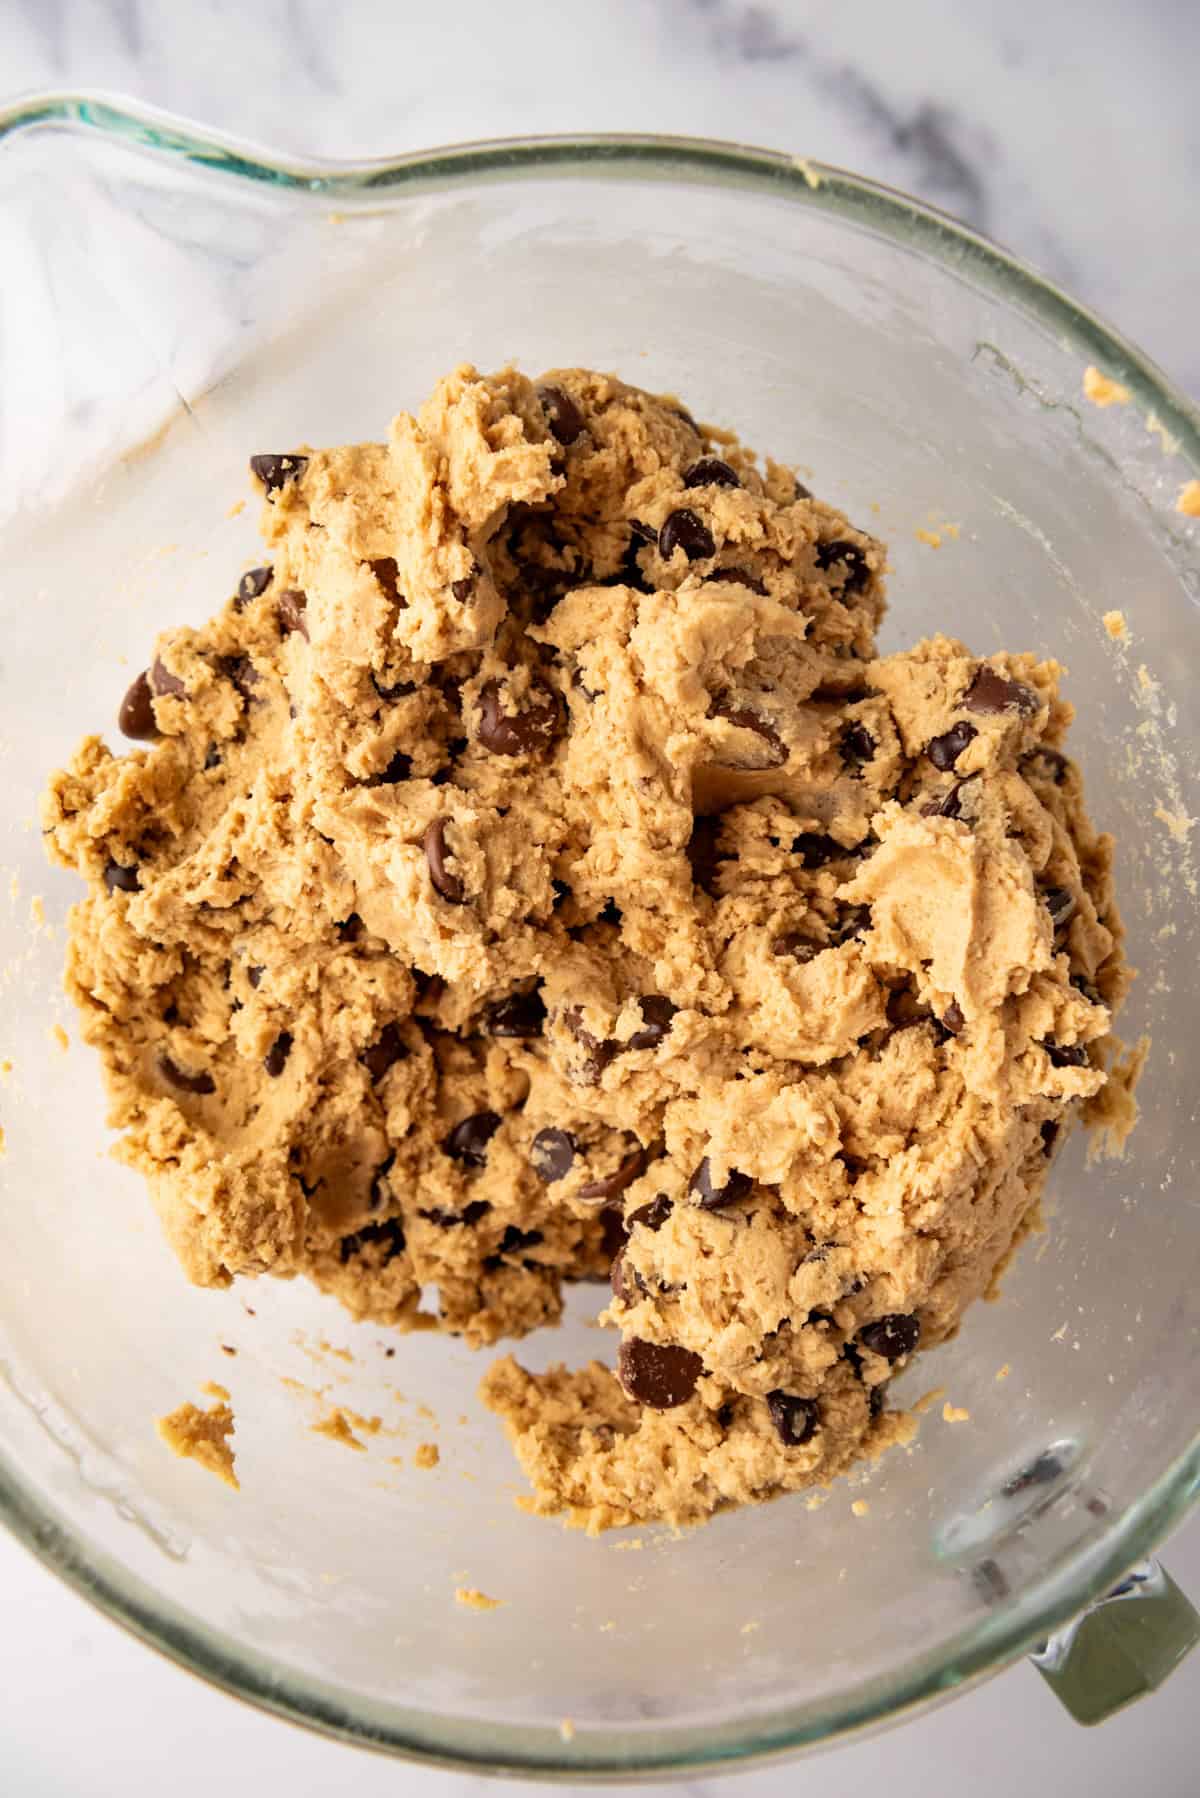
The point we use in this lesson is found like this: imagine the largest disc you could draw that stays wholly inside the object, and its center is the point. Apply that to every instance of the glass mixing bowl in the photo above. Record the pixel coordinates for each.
(172, 303)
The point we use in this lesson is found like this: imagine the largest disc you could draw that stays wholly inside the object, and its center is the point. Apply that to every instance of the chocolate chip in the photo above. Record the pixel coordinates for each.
(801, 948)
(136, 716)
(468, 1141)
(742, 576)
(254, 976)
(945, 750)
(1049, 1135)
(658, 1374)
(275, 471)
(654, 1215)
(950, 804)
(857, 745)
(1060, 903)
(1044, 763)
(711, 1198)
(463, 588)
(243, 674)
(350, 929)
(449, 1220)
(513, 1242)
(388, 1048)
(275, 1059)
(745, 719)
(552, 1155)
(253, 583)
(212, 758)
(519, 1015)
(853, 921)
(163, 682)
(876, 1398)
(952, 1018)
(704, 855)
(1066, 1055)
(658, 1013)
(436, 854)
(644, 533)
(399, 690)
(387, 574)
(892, 1337)
(389, 1232)
(601, 1051)
(187, 1083)
(627, 1284)
(710, 471)
(119, 879)
(990, 693)
(815, 850)
(398, 769)
(685, 530)
(534, 727)
(609, 1185)
(562, 414)
(795, 1419)
(612, 1232)
(852, 558)
(290, 608)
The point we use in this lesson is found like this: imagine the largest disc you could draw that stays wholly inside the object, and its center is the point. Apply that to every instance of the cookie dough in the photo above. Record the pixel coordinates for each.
(533, 874)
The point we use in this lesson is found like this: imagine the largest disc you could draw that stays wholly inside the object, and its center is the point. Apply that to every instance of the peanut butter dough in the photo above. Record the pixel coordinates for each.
(532, 872)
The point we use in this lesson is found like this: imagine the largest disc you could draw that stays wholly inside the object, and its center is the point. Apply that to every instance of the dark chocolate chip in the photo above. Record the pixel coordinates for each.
(857, 745)
(350, 929)
(387, 574)
(601, 1052)
(212, 757)
(612, 1232)
(1066, 1055)
(742, 576)
(513, 1242)
(745, 719)
(710, 471)
(387, 1049)
(163, 682)
(952, 1019)
(187, 1083)
(290, 608)
(468, 1141)
(437, 852)
(711, 1198)
(1049, 1135)
(990, 693)
(463, 588)
(950, 804)
(658, 1374)
(1060, 903)
(275, 471)
(552, 1155)
(1044, 763)
(275, 1059)
(795, 1419)
(253, 583)
(136, 716)
(254, 976)
(815, 850)
(658, 1013)
(945, 750)
(522, 733)
(644, 533)
(852, 559)
(120, 879)
(654, 1215)
(704, 855)
(627, 1284)
(242, 672)
(563, 416)
(449, 1220)
(399, 690)
(892, 1337)
(685, 530)
(520, 1015)
(389, 1233)
(609, 1185)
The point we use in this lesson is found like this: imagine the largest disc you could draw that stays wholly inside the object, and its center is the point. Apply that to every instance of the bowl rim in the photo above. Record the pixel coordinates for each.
(1002, 1635)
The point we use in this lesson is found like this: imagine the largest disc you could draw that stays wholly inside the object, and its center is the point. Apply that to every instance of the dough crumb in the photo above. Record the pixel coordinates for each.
(955, 1413)
(860, 1507)
(1113, 1112)
(566, 1729)
(426, 1455)
(812, 177)
(37, 911)
(59, 1038)
(340, 1425)
(214, 1389)
(928, 1400)
(1102, 390)
(203, 1437)
(1189, 500)
(932, 538)
(1002, 1373)
(1168, 443)
(476, 1600)
(1178, 823)
(1115, 625)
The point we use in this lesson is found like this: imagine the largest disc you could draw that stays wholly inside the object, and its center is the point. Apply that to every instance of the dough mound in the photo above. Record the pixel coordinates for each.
(532, 872)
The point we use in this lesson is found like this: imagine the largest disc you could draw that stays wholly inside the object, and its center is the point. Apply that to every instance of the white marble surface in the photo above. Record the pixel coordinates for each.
(1072, 134)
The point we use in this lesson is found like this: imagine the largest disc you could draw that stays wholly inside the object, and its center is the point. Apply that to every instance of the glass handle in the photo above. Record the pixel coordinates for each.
(1121, 1647)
